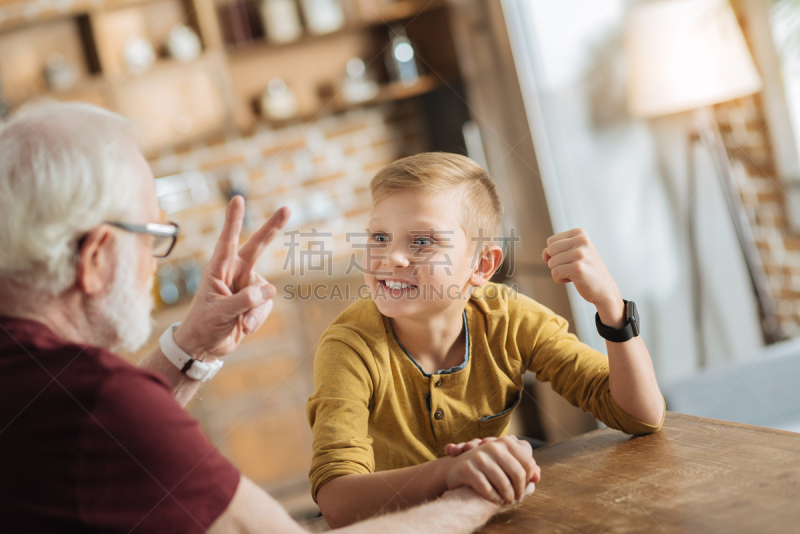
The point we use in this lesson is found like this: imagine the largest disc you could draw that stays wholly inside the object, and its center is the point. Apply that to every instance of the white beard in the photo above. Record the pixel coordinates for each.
(123, 314)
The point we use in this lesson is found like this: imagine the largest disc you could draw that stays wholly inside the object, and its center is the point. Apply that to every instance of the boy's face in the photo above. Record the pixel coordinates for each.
(418, 260)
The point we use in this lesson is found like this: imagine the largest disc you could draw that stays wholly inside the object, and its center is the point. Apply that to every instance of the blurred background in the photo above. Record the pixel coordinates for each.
(668, 130)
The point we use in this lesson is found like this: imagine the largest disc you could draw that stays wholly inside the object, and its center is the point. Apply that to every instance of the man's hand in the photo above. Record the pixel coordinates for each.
(232, 299)
(572, 257)
(499, 470)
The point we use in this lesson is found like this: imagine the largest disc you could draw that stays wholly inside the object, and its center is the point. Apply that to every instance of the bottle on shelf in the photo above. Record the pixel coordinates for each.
(281, 21)
(237, 26)
(138, 54)
(183, 43)
(357, 86)
(278, 102)
(401, 60)
(168, 291)
(59, 73)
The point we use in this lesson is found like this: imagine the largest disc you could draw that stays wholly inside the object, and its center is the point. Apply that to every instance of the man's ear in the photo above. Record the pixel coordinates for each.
(488, 262)
(96, 261)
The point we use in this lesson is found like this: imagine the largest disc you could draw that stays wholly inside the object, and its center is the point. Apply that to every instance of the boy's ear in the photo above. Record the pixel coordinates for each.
(488, 262)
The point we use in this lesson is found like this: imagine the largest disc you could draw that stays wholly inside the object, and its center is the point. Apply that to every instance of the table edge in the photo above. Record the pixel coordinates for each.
(671, 416)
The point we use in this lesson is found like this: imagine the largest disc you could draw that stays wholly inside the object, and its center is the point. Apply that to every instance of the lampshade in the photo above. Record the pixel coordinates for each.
(686, 54)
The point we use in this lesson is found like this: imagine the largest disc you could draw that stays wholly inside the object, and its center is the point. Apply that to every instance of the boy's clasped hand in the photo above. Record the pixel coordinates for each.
(501, 470)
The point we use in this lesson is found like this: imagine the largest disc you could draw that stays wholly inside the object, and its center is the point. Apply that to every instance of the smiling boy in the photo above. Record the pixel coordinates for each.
(437, 354)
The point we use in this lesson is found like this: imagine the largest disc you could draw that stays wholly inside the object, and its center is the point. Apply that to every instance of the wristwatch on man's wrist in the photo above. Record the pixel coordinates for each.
(629, 331)
(194, 369)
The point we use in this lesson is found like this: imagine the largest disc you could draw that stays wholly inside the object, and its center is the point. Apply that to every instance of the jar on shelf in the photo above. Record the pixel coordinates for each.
(357, 86)
(281, 21)
(183, 43)
(138, 54)
(323, 16)
(278, 102)
(59, 73)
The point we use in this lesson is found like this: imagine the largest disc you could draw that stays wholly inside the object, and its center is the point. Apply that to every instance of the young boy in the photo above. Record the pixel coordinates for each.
(436, 355)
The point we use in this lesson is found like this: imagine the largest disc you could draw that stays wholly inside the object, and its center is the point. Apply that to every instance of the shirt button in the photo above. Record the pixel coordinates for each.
(438, 383)
(439, 415)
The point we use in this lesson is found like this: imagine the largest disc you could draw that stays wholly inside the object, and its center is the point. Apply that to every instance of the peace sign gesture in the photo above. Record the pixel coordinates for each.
(232, 299)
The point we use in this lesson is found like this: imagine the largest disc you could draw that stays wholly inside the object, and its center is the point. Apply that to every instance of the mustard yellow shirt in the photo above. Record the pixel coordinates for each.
(373, 408)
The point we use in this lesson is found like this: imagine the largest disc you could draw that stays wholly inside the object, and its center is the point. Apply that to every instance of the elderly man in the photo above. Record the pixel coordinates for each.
(89, 443)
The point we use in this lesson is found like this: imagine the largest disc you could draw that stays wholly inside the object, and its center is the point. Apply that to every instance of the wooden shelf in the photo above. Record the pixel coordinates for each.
(262, 46)
(401, 11)
(20, 14)
(388, 93)
(401, 91)
(28, 13)
(160, 65)
(310, 65)
(407, 8)
(93, 89)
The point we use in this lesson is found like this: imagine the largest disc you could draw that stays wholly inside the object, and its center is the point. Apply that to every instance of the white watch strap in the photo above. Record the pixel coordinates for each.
(192, 368)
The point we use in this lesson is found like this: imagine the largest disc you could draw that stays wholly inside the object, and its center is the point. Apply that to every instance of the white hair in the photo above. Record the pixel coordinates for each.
(121, 319)
(64, 169)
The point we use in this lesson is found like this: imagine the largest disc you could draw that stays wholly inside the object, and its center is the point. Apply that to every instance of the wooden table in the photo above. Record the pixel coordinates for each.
(695, 475)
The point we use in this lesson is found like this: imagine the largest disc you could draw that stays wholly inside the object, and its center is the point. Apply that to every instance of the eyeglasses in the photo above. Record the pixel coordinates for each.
(165, 235)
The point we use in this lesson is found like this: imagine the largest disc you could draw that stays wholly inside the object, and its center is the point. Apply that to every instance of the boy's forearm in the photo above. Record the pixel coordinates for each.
(572, 257)
(632, 379)
(351, 498)
(458, 512)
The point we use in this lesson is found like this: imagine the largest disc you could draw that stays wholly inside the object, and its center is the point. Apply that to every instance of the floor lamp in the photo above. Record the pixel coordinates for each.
(687, 55)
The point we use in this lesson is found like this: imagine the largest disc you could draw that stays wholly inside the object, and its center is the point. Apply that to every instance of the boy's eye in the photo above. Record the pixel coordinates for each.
(423, 241)
(380, 238)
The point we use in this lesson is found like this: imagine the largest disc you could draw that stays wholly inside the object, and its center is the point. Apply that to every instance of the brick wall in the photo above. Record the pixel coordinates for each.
(743, 126)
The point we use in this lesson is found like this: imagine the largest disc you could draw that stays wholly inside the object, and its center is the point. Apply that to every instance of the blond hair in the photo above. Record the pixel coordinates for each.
(437, 172)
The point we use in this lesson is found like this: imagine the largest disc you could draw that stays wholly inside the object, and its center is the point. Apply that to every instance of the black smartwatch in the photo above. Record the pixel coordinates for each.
(629, 331)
